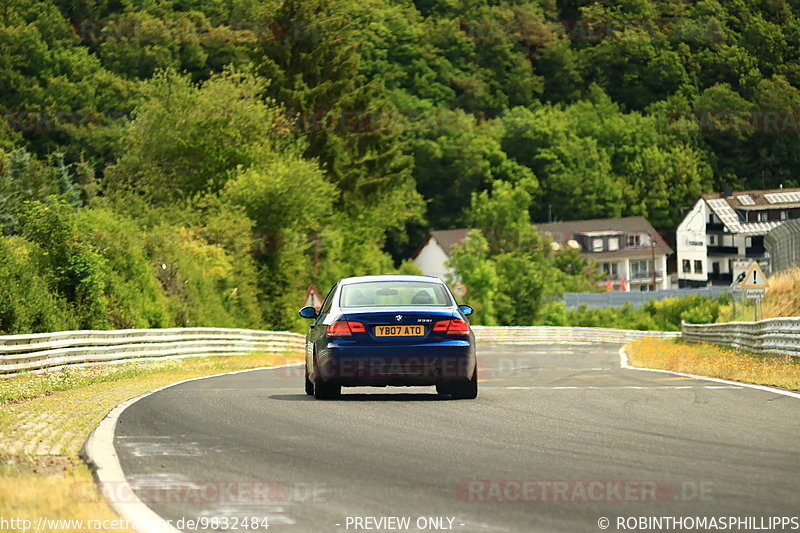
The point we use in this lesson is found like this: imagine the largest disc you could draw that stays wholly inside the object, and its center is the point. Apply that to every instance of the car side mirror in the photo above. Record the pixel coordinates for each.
(308, 312)
(467, 310)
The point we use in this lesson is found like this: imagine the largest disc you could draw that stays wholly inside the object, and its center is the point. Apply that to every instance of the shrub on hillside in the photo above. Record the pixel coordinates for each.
(27, 305)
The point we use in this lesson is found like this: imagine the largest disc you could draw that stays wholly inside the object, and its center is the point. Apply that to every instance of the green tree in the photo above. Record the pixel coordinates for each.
(187, 139)
(313, 70)
(474, 268)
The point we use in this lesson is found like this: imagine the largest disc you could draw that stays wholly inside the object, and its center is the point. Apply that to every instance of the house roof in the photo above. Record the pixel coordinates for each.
(761, 199)
(446, 239)
(724, 207)
(561, 232)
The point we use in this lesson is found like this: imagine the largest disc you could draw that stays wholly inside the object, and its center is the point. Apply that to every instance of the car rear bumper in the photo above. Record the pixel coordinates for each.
(375, 365)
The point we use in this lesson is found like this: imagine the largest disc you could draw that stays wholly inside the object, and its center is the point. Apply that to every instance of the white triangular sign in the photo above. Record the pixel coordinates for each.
(313, 298)
(754, 279)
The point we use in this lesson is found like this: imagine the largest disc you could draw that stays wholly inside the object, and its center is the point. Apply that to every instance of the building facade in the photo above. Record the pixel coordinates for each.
(629, 252)
(722, 229)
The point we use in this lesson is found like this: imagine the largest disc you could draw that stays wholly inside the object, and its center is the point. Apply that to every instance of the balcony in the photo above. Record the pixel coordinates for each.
(715, 228)
(720, 279)
(645, 276)
(755, 251)
(722, 251)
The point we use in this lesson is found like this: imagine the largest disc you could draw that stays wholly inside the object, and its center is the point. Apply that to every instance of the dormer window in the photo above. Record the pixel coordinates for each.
(597, 245)
(634, 240)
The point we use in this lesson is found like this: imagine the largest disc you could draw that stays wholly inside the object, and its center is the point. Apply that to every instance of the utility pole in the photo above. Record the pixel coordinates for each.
(653, 264)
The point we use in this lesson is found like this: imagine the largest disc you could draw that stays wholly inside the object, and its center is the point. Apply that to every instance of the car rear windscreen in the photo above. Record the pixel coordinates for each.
(394, 293)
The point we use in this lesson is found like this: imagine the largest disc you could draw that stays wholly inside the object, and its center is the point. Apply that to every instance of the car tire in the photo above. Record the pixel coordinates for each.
(325, 391)
(309, 384)
(443, 389)
(468, 390)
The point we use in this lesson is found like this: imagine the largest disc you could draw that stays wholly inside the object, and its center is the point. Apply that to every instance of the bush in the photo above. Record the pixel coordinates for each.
(27, 305)
(134, 296)
(664, 315)
(73, 269)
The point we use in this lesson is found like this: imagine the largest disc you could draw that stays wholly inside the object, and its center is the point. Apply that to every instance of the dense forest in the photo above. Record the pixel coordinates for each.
(201, 162)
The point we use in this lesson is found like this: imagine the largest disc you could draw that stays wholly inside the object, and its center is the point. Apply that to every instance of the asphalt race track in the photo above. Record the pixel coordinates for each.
(558, 438)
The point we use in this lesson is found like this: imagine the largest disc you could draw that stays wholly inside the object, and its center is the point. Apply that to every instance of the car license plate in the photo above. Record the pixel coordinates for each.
(399, 331)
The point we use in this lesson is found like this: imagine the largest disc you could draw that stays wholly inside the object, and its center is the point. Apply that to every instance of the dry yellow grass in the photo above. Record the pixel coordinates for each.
(783, 295)
(26, 495)
(716, 361)
(66, 407)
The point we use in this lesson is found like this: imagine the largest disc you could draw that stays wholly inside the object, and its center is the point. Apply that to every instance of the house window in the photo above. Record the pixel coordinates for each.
(748, 242)
(687, 266)
(613, 243)
(712, 240)
(698, 267)
(784, 215)
(609, 269)
(762, 216)
(640, 269)
(597, 245)
(634, 240)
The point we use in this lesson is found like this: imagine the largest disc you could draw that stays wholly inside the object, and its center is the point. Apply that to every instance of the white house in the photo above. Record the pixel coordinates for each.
(629, 251)
(722, 228)
(432, 255)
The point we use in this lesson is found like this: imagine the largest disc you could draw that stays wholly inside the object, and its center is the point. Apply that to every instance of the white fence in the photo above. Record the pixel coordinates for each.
(42, 350)
(564, 335)
(773, 335)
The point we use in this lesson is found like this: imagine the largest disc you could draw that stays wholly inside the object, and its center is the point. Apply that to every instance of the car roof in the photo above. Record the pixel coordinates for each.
(390, 277)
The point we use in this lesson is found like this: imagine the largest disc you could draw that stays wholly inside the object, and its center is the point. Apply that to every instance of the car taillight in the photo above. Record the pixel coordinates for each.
(441, 326)
(344, 328)
(455, 326)
(458, 327)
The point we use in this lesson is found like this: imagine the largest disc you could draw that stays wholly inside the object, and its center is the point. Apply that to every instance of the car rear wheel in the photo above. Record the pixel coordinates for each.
(463, 391)
(309, 385)
(325, 391)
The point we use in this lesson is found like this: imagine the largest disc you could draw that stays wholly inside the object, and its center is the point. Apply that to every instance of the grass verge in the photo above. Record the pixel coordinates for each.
(45, 419)
(716, 361)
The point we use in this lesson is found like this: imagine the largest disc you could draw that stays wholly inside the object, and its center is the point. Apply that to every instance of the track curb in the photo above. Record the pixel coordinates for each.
(99, 453)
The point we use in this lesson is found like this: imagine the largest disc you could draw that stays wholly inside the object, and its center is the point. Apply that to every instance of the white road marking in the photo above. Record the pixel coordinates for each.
(620, 387)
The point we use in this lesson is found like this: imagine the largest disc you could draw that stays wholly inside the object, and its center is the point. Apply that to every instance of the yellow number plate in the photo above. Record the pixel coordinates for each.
(399, 331)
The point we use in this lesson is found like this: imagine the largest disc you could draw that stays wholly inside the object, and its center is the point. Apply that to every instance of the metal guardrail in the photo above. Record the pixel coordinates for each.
(773, 335)
(564, 334)
(43, 350)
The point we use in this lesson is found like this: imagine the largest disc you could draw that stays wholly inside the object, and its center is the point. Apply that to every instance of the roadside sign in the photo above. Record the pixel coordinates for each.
(740, 269)
(313, 298)
(754, 294)
(459, 290)
(754, 278)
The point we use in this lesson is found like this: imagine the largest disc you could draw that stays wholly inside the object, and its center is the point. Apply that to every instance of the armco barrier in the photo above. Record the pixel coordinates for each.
(564, 335)
(773, 335)
(42, 350)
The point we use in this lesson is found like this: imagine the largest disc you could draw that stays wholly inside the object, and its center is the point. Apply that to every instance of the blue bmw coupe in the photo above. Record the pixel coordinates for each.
(390, 330)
